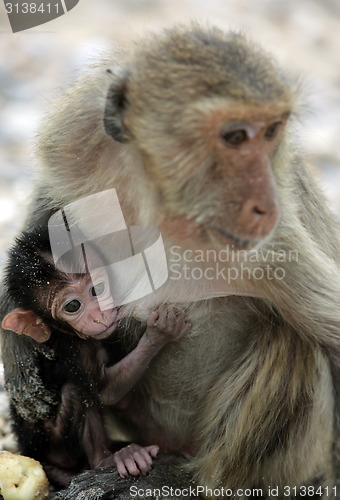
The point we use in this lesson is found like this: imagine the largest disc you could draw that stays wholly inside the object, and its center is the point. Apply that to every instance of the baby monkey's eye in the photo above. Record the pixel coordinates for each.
(272, 131)
(98, 289)
(235, 137)
(72, 306)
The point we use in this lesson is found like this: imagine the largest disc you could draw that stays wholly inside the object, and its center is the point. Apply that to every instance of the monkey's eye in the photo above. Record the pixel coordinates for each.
(235, 137)
(72, 306)
(98, 289)
(272, 131)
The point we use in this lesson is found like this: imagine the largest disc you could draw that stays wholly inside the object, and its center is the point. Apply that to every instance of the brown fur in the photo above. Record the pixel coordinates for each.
(249, 393)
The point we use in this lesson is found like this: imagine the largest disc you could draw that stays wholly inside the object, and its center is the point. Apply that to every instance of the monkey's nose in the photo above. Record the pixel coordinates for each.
(258, 211)
(258, 217)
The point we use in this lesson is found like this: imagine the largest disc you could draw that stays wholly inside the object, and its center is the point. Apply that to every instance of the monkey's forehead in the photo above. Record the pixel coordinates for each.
(199, 62)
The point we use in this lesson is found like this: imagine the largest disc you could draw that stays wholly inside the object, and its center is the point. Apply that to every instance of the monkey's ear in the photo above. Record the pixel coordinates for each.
(114, 108)
(26, 322)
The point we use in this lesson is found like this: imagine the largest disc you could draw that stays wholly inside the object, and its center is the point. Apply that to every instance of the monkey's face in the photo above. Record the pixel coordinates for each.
(244, 148)
(205, 111)
(215, 180)
(77, 304)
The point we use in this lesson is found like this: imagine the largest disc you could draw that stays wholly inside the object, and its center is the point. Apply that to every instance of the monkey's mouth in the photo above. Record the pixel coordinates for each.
(107, 331)
(235, 240)
(111, 327)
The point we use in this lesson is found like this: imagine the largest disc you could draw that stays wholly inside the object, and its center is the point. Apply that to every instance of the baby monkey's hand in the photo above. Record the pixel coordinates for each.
(134, 459)
(166, 325)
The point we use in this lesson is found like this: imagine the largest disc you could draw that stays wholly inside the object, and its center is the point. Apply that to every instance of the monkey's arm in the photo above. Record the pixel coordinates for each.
(163, 326)
(95, 439)
(120, 378)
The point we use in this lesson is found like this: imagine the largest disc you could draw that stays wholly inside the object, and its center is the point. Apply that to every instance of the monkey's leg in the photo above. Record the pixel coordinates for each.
(308, 298)
(163, 482)
(270, 419)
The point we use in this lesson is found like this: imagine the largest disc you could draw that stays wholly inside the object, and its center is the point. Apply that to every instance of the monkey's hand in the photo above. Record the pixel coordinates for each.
(134, 459)
(166, 325)
(105, 482)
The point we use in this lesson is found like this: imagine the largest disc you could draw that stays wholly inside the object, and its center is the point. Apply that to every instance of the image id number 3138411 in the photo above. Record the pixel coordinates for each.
(309, 491)
(32, 8)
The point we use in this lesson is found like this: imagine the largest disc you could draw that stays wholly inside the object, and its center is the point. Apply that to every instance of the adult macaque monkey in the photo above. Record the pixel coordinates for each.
(87, 371)
(195, 130)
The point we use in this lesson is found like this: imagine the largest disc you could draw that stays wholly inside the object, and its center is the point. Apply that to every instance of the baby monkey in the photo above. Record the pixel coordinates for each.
(74, 316)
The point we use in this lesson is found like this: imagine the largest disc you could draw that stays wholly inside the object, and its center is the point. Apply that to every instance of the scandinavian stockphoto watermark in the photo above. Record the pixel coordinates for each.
(230, 264)
(24, 15)
(91, 234)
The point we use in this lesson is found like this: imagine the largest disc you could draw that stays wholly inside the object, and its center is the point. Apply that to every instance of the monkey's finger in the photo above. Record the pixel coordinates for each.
(130, 464)
(143, 460)
(152, 318)
(153, 450)
(172, 320)
(182, 327)
(146, 455)
(122, 471)
(180, 320)
(167, 320)
(162, 312)
(162, 309)
(180, 315)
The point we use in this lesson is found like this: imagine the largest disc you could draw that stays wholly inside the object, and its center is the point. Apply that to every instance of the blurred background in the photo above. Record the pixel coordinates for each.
(36, 64)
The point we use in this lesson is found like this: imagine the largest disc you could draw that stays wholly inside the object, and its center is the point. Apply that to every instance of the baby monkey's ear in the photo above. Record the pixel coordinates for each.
(26, 322)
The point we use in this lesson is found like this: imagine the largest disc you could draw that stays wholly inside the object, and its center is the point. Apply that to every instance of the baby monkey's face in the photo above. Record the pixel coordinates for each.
(86, 304)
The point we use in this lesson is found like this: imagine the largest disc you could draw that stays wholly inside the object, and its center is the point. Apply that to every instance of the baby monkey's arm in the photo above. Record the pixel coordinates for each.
(163, 326)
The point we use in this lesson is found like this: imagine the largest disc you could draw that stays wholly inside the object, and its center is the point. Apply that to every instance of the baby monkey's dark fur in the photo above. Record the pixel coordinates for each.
(81, 363)
(68, 366)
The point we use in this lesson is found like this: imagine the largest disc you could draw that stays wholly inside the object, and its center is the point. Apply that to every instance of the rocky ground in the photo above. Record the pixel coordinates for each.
(36, 64)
